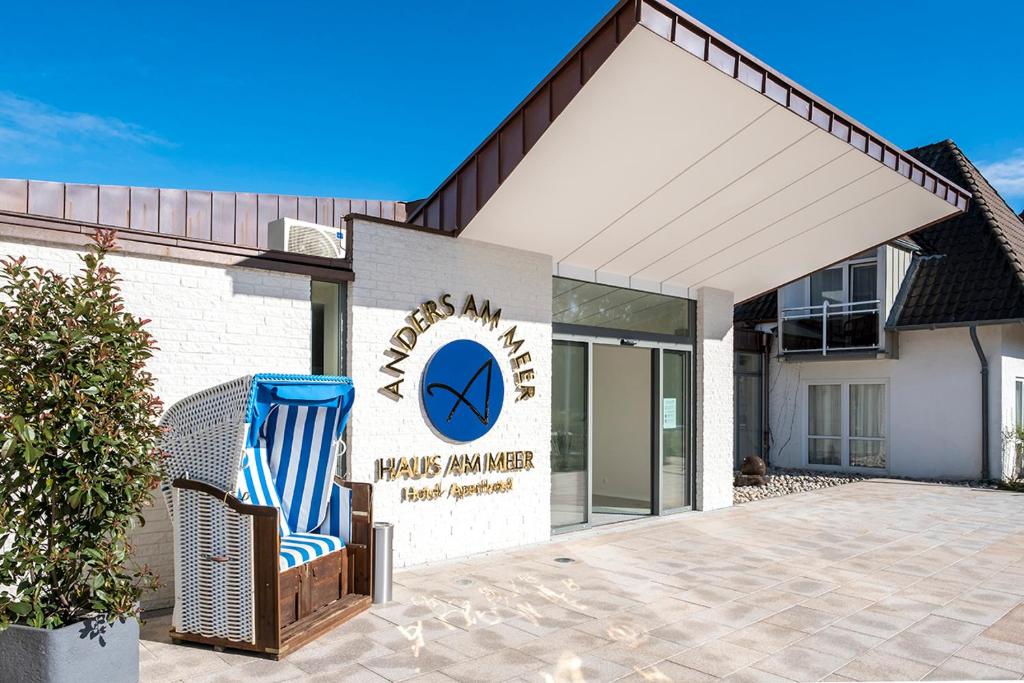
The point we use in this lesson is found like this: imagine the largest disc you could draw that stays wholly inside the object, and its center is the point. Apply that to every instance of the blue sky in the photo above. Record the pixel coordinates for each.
(385, 99)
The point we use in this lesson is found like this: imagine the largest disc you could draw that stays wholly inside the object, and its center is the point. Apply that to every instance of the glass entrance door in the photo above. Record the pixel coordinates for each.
(622, 431)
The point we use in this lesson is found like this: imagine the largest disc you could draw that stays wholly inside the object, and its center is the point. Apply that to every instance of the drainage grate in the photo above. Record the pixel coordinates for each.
(565, 560)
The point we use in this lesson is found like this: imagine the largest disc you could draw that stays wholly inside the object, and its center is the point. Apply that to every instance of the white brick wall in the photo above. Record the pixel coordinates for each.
(212, 324)
(396, 270)
(714, 398)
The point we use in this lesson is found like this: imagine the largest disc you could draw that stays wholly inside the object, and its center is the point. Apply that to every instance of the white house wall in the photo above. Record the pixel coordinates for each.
(396, 271)
(1012, 369)
(933, 399)
(212, 324)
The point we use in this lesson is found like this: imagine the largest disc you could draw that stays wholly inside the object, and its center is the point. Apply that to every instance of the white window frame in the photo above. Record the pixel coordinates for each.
(1018, 399)
(845, 266)
(844, 437)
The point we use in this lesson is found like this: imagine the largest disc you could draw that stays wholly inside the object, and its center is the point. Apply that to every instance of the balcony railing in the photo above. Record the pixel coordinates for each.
(831, 327)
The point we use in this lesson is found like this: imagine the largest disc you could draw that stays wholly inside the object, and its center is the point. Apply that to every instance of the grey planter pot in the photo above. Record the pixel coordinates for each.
(90, 650)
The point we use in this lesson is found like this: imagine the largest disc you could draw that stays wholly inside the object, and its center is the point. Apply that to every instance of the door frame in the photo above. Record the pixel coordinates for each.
(657, 348)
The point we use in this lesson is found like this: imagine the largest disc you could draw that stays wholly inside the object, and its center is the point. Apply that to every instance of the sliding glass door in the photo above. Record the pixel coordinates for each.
(675, 428)
(621, 430)
(569, 433)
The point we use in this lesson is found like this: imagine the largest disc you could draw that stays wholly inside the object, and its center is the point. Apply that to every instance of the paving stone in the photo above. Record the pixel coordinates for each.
(753, 675)
(973, 612)
(330, 655)
(573, 669)
(499, 666)
(354, 673)
(718, 658)
(880, 666)
(802, 618)
(801, 664)
(640, 652)
(875, 622)
(840, 642)
(765, 637)
(484, 641)
(920, 648)
(956, 669)
(691, 632)
(406, 664)
(837, 603)
(807, 587)
(944, 627)
(668, 672)
(995, 653)
(1010, 628)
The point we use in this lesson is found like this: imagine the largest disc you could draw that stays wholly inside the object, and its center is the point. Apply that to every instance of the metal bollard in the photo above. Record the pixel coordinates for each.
(382, 564)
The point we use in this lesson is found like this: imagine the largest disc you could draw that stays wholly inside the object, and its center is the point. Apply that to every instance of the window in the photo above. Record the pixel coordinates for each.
(827, 285)
(589, 304)
(1018, 403)
(863, 282)
(325, 342)
(867, 425)
(824, 424)
(847, 425)
(747, 392)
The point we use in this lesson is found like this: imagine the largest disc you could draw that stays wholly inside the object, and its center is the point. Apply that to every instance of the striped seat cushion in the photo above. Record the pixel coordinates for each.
(299, 445)
(339, 514)
(256, 486)
(301, 548)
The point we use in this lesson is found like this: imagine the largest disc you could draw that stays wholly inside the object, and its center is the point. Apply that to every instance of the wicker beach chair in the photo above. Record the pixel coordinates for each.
(271, 550)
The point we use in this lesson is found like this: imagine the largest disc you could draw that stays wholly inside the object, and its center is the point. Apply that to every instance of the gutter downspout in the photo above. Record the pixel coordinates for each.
(984, 400)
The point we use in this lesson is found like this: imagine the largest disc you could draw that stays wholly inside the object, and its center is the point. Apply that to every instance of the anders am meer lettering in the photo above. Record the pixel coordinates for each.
(429, 313)
(463, 394)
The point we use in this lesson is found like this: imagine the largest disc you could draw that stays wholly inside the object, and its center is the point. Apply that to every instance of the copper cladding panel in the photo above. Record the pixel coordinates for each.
(230, 218)
(145, 209)
(46, 198)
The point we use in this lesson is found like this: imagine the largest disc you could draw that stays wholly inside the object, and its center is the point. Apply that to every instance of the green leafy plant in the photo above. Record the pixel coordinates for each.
(78, 453)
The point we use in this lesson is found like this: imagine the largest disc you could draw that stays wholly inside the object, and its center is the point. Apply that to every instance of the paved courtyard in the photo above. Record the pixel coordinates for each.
(879, 580)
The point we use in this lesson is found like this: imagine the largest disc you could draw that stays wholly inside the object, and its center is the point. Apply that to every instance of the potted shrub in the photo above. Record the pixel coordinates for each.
(78, 462)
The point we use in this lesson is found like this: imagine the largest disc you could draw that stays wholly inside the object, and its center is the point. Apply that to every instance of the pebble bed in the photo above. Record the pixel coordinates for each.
(782, 482)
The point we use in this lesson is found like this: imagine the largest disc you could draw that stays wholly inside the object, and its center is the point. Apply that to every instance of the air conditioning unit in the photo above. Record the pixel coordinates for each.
(288, 234)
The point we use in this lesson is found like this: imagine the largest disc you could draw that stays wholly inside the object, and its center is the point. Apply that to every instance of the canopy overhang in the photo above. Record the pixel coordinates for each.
(681, 164)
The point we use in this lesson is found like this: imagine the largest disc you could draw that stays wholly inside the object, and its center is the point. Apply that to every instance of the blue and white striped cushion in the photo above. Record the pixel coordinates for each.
(300, 451)
(300, 548)
(339, 514)
(256, 486)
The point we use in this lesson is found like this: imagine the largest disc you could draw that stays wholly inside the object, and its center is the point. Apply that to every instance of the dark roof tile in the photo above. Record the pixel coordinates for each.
(760, 309)
(971, 266)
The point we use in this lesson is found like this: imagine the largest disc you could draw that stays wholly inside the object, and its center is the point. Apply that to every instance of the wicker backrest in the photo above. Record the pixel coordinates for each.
(204, 435)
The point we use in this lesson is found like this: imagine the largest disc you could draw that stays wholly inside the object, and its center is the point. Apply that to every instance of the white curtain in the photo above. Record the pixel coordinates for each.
(867, 410)
(825, 414)
(824, 419)
(867, 421)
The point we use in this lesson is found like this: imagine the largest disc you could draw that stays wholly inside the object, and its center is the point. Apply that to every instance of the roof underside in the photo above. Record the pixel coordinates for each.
(968, 269)
(659, 156)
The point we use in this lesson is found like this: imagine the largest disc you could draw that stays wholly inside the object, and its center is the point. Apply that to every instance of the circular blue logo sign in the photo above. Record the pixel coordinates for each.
(463, 390)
